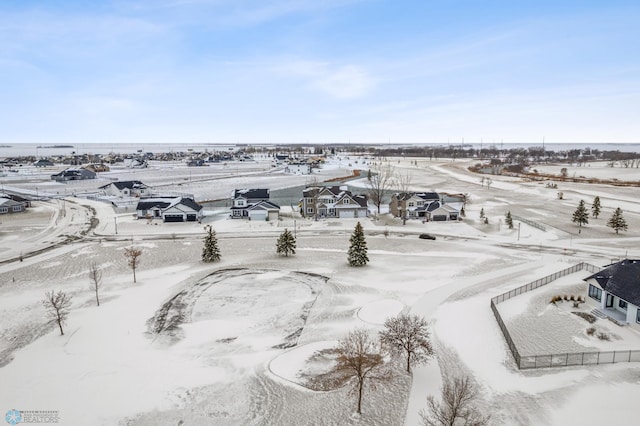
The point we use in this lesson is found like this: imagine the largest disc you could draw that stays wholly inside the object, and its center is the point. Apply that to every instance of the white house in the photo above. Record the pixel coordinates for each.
(253, 204)
(298, 168)
(129, 188)
(170, 209)
(616, 291)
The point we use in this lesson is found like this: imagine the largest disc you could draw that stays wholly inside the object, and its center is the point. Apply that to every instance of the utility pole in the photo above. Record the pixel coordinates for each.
(115, 220)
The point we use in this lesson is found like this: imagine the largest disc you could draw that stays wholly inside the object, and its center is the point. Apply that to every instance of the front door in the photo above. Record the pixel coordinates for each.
(609, 301)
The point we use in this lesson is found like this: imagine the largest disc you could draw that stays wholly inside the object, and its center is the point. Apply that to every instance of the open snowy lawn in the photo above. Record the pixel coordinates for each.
(595, 169)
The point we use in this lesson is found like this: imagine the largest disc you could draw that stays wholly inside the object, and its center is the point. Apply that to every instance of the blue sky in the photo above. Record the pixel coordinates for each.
(323, 71)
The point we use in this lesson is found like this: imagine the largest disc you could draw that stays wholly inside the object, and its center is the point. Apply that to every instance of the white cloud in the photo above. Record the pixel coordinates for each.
(340, 82)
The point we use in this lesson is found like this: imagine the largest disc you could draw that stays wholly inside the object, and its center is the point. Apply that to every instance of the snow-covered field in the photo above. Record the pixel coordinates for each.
(253, 326)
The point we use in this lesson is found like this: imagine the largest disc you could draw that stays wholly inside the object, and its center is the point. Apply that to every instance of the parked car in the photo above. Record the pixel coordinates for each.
(427, 237)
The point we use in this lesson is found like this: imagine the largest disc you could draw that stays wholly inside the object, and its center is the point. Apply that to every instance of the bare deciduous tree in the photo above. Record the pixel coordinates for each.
(57, 306)
(133, 254)
(403, 184)
(95, 280)
(407, 335)
(360, 358)
(382, 178)
(458, 405)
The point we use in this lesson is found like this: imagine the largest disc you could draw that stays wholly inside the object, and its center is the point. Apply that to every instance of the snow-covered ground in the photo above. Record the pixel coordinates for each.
(253, 322)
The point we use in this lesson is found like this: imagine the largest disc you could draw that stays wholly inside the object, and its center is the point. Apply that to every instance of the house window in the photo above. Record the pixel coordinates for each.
(17, 208)
(595, 292)
(622, 304)
(240, 203)
(411, 204)
(346, 201)
(4, 210)
(420, 203)
(309, 209)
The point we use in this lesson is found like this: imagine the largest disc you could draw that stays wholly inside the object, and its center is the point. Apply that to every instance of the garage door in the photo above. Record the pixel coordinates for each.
(191, 218)
(173, 218)
(346, 214)
(258, 215)
(440, 217)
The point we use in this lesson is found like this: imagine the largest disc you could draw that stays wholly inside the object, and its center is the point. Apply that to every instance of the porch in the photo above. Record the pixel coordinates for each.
(611, 314)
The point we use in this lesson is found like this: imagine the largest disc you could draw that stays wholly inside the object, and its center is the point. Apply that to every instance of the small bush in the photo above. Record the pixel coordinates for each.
(586, 316)
(591, 331)
(566, 297)
(555, 299)
(603, 336)
(572, 298)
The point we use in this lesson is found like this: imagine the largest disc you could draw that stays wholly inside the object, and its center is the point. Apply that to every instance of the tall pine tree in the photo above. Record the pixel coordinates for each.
(581, 216)
(617, 222)
(508, 220)
(286, 244)
(358, 248)
(595, 207)
(210, 251)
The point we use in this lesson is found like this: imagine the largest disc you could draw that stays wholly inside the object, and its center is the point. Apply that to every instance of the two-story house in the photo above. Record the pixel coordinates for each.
(332, 201)
(253, 204)
(413, 205)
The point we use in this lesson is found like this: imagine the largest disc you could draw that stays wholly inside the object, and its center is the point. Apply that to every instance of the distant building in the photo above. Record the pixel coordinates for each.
(43, 163)
(73, 174)
(128, 188)
(298, 168)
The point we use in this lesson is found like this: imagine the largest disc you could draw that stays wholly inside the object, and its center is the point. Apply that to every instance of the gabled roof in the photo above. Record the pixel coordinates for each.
(403, 196)
(310, 191)
(7, 202)
(130, 184)
(164, 203)
(621, 279)
(264, 205)
(251, 193)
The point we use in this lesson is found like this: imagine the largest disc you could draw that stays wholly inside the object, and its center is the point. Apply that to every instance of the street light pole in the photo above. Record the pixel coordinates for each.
(115, 220)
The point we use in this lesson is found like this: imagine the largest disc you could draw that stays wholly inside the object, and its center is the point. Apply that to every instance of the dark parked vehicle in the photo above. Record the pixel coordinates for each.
(427, 237)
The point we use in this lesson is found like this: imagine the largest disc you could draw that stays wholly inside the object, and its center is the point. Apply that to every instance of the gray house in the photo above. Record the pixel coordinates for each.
(616, 291)
(73, 174)
(7, 205)
(169, 209)
(253, 204)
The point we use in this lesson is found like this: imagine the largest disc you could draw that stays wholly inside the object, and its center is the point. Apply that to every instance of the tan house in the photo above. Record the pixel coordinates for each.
(413, 205)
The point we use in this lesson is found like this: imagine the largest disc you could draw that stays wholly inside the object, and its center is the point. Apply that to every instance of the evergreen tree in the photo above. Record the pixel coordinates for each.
(286, 244)
(616, 221)
(482, 213)
(210, 251)
(595, 207)
(508, 220)
(358, 248)
(581, 216)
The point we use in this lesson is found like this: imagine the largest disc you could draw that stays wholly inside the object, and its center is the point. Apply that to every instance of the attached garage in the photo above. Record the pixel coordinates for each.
(192, 217)
(173, 218)
(258, 215)
(347, 214)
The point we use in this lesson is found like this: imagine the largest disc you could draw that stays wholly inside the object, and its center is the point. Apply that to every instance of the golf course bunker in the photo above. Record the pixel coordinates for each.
(253, 308)
(377, 312)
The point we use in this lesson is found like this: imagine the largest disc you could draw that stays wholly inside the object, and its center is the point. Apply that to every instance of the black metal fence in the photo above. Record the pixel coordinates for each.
(529, 222)
(557, 360)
